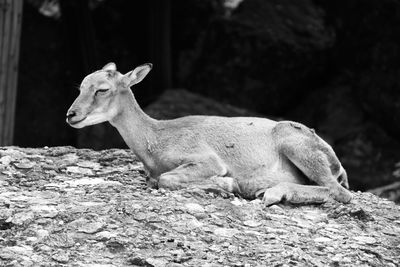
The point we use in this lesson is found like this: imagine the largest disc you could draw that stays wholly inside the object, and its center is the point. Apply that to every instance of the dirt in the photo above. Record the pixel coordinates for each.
(63, 206)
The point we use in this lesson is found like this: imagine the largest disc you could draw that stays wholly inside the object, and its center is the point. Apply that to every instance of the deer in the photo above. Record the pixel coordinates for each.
(250, 157)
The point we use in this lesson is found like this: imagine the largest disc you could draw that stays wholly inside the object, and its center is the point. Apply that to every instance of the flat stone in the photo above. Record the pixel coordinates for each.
(105, 235)
(365, 239)
(25, 165)
(89, 164)
(22, 218)
(226, 232)
(252, 223)
(193, 223)
(79, 170)
(45, 211)
(91, 228)
(61, 257)
(194, 208)
(61, 240)
(16, 252)
(53, 185)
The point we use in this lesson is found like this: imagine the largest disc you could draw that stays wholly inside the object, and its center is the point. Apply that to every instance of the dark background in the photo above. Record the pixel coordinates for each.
(333, 65)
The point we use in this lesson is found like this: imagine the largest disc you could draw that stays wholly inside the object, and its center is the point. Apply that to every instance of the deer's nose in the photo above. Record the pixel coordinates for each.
(71, 114)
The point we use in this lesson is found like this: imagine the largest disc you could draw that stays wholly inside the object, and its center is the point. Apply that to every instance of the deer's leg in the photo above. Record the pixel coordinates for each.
(315, 158)
(317, 168)
(342, 179)
(295, 193)
(204, 174)
(219, 185)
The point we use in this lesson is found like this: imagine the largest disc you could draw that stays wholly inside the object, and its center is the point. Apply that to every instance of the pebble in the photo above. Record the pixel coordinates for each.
(256, 202)
(237, 202)
(6, 160)
(61, 257)
(155, 262)
(42, 233)
(252, 223)
(193, 223)
(162, 190)
(44, 248)
(194, 208)
(105, 235)
(5, 214)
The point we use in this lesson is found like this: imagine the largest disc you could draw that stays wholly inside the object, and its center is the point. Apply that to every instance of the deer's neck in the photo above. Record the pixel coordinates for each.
(137, 129)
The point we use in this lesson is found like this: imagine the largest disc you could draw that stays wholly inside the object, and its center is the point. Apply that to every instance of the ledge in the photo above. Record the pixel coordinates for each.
(63, 206)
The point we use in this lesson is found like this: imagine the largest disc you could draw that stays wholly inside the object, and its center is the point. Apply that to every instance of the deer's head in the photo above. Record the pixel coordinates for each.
(100, 95)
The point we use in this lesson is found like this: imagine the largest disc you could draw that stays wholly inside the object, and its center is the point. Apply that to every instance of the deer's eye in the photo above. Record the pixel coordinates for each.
(101, 91)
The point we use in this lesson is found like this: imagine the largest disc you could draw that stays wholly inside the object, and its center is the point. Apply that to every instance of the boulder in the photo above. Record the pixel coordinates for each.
(263, 56)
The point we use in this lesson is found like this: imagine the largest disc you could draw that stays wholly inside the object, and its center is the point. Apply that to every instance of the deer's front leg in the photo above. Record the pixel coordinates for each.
(184, 175)
(201, 173)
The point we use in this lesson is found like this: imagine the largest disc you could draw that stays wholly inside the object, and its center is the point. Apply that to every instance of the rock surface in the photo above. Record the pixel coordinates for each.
(67, 207)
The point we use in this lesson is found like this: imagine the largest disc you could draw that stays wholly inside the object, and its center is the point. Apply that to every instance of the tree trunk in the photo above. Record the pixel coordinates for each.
(10, 31)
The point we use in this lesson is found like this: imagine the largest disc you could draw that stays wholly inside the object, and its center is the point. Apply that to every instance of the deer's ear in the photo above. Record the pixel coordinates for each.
(110, 67)
(137, 75)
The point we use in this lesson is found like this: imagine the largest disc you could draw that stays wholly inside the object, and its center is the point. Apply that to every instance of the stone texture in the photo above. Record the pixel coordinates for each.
(106, 224)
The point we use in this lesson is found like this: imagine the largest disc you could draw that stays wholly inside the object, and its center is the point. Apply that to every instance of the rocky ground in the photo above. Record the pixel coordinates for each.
(67, 207)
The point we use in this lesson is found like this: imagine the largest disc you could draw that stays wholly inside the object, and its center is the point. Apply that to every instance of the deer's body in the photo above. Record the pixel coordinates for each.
(241, 155)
